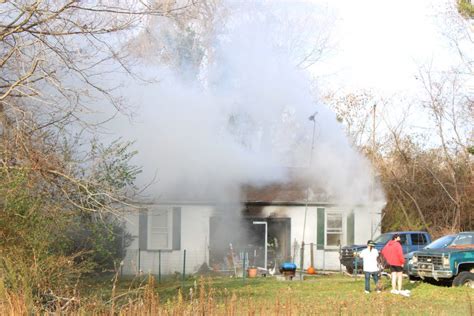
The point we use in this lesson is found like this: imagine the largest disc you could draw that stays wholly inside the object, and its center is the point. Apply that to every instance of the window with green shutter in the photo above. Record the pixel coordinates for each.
(160, 228)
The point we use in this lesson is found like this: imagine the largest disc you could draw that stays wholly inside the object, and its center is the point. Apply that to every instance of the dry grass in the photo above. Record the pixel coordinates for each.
(335, 295)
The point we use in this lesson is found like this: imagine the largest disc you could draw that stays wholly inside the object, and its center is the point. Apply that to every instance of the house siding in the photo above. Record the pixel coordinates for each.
(366, 224)
(194, 227)
(194, 224)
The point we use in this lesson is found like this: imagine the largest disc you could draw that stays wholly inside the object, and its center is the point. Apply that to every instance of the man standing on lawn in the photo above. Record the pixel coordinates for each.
(369, 256)
(393, 253)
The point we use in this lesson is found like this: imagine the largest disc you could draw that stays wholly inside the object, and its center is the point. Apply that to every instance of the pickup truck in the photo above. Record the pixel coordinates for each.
(454, 262)
(439, 243)
(410, 240)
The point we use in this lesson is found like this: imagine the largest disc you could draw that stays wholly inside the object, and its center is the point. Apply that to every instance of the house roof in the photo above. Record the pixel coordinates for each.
(291, 193)
(298, 190)
(283, 193)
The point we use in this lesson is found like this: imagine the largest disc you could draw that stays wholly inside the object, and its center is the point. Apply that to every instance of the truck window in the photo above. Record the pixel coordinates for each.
(463, 239)
(441, 242)
(383, 239)
(418, 239)
(403, 239)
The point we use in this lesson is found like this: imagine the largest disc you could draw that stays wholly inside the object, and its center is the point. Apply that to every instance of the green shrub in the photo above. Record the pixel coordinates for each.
(100, 240)
(33, 247)
(54, 229)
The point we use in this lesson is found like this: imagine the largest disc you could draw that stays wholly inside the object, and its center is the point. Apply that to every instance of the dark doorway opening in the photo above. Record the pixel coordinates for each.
(248, 238)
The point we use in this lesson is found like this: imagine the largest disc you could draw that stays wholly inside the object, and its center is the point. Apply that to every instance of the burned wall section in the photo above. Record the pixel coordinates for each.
(231, 239)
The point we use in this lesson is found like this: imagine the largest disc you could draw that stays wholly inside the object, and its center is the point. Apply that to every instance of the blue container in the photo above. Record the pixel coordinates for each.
(288, 266)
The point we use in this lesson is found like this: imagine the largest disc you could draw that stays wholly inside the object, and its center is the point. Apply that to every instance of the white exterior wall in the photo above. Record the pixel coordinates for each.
(367, 224)
(323, 259)
(194, 238)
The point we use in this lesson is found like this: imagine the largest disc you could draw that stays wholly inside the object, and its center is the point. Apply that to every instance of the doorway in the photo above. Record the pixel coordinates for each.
(230, 239)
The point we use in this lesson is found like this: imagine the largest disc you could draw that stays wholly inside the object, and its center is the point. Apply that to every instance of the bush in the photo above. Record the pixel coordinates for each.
(34, 261)
(100, 240)
(56, 226)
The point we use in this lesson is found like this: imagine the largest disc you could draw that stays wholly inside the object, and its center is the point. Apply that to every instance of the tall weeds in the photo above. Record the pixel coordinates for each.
(203, 299)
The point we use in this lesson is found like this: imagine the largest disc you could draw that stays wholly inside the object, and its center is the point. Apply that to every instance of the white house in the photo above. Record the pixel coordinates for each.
(208, 232)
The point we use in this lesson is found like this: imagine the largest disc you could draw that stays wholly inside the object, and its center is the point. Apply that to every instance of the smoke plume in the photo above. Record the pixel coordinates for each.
(235, 112)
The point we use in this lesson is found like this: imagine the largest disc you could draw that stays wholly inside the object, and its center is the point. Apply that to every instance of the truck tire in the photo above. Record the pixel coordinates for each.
(464, 278)
(350, 270)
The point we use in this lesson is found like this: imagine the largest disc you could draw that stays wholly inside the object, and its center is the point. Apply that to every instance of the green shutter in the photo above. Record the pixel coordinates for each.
(176, 228)
(320, 227)
(350, 228)
(142, 229)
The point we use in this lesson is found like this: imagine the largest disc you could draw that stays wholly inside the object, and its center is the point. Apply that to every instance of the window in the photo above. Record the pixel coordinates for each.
(463, 239)
(159, 228)
(403, 239)
(418, 239)
(383, 239)
(442, 242)
(160, 223)
(334, 229)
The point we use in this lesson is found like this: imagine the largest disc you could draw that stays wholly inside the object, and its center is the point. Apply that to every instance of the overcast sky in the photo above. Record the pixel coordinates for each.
(380, 44)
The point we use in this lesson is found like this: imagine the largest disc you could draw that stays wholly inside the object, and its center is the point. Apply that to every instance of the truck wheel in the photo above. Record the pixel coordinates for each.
(464, 278)
(350, 270)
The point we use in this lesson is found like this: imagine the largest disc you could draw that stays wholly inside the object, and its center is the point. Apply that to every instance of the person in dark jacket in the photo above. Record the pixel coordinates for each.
(393, 254)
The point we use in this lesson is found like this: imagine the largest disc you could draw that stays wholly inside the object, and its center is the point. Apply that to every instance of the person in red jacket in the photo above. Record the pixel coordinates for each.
(393, 254)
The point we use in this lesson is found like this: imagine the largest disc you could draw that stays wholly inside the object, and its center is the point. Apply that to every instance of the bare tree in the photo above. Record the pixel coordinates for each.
(55, 55)
(355, 111)
(451, 111)
(58, 60)
(426, 173)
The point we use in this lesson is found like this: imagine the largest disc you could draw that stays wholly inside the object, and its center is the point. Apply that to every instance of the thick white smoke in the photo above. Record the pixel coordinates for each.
(241, 118)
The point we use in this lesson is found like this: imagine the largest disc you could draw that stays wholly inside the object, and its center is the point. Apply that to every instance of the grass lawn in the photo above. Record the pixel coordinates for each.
(331, 294)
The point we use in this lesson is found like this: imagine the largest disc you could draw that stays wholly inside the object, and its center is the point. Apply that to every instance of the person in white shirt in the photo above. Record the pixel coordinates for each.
(369, 256)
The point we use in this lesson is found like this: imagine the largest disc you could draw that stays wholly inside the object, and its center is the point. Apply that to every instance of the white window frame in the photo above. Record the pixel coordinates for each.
(152, 212)
(343, 228)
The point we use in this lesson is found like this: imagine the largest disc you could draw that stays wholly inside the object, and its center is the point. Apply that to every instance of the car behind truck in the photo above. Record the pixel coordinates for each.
(410, 240)
(454, 263)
